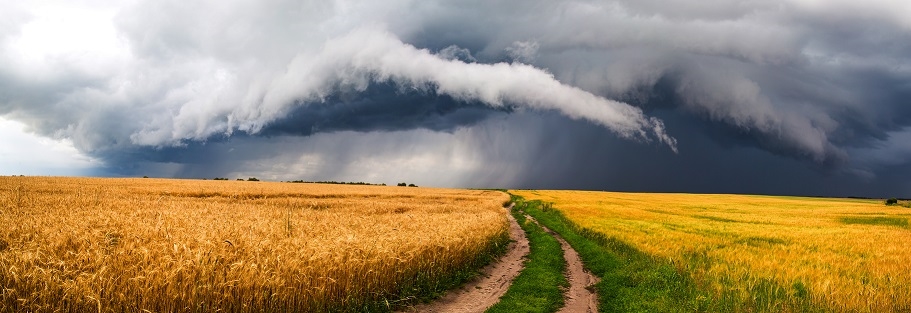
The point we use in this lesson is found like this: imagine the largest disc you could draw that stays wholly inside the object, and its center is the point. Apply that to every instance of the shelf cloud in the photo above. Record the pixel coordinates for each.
(539, 94)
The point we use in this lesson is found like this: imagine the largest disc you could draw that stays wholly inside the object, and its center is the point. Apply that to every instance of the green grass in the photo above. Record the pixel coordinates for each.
(633, 281)
(539, 287)
(876, 220)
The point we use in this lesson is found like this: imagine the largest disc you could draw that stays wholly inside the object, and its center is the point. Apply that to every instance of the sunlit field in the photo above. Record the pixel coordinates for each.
(776, 253)
(89, 244)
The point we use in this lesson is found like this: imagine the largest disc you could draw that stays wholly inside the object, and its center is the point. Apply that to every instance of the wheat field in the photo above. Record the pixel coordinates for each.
(155, 245)
(762, 251)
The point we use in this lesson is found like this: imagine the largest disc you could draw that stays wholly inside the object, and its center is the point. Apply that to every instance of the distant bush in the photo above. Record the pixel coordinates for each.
(412, 185)
(240, 179)
(145, 177)
(891, 201)
(220, 178)
(252, 179)
(402, 184)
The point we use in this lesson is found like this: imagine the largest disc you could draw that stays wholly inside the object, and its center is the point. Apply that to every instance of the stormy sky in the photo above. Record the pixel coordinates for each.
(798, 97)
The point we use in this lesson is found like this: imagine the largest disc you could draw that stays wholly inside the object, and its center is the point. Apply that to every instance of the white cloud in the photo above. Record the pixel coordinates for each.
(23, 153)
(369, 55)
(454, 52)
(523, 51)
(63, 37)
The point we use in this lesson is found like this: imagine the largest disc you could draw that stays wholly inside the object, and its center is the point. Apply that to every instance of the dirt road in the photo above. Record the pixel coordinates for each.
(486, 290)
(580, 297)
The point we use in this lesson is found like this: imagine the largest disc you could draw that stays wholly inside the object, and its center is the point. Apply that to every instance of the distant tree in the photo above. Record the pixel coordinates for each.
(891, 201)
(145, 177)
(412, 185)
(402, 184)
(240, 179)
(252, 179)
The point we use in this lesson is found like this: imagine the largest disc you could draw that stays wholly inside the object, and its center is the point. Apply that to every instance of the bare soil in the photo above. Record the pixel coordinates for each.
(580, 297)
(484, 291)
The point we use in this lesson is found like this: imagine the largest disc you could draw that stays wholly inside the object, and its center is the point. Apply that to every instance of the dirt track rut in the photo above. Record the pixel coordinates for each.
(580, 297)
(486, 290)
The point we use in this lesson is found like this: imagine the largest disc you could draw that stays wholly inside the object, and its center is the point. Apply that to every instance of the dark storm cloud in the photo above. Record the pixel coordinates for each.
(796, 77)
(618, 165)
(380, 107)
(789, 96)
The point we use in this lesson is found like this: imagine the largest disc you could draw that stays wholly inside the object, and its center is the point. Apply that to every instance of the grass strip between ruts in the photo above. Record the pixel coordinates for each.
(540, 285)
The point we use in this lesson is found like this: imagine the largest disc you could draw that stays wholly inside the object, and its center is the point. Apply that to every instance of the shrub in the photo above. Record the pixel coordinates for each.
(412, 185)
(252, 179)
(402, 184)
(891, 201)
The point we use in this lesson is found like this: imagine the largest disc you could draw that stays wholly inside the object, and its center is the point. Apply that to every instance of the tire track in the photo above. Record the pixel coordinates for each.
(480, 294)
(580, 297)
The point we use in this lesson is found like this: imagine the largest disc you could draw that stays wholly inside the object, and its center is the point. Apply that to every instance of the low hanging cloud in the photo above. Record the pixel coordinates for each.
(362, 56)
(365, 57)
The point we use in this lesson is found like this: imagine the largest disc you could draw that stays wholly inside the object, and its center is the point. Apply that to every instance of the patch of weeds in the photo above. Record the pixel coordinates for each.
(876, 220)
(717, 219)
(762, 241)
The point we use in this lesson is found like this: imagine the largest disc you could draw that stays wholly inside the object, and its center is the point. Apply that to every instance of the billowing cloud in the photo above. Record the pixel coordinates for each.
(823, 85)
(362, 57)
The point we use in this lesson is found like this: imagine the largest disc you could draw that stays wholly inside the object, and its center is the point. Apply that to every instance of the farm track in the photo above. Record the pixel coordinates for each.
(495, 280)
(580, 297)
(486, 290)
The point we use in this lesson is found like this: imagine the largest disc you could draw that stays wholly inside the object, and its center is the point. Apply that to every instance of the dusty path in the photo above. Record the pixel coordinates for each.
(580, 297)
(485, 291)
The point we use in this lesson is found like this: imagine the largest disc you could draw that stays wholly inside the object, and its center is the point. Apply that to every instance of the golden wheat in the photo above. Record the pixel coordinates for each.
(79, 244)
(844, 254)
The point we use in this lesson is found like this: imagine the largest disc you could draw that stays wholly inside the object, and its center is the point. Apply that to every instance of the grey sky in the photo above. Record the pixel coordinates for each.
(623, 95)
